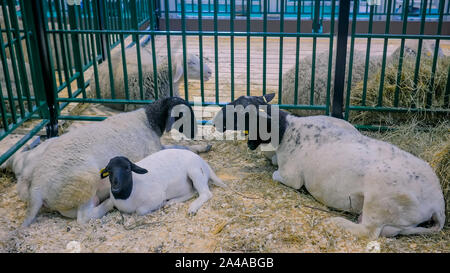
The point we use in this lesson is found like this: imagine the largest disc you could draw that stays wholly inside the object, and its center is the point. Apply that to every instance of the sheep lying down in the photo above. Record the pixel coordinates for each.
(163, 178)
(392, 189)
(62, 173)
(396, 192)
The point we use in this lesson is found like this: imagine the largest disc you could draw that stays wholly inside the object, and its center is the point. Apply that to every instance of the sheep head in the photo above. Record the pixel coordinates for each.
(240, 106)
(172, 113)
(193, 65)
(119, 170)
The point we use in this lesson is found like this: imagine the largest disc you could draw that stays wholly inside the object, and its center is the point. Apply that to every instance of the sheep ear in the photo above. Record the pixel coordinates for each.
(268, 97)
(177, 72)
(135, 168)
(169, 122)
(104, 173)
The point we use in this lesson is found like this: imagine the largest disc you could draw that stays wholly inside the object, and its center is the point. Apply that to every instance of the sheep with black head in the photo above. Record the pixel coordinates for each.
(394, 191)
(63, 173)
(166, 177)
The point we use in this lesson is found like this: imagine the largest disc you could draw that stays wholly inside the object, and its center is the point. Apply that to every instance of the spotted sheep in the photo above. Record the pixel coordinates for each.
(393, 191)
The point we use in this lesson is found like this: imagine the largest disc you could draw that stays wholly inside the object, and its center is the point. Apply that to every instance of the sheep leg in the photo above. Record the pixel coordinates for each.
(277, 177)
(275, 160)
(418, 230)
(200, 183)
(360, 230)
(147, 209)
(89, 211)
(180, 199)
(199, 148)
(34, 206)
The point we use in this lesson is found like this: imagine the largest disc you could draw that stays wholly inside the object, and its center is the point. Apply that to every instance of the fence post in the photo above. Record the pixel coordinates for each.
(341, 56)
(102, 26)
(73, 12)
(316, 20)
(45, 67)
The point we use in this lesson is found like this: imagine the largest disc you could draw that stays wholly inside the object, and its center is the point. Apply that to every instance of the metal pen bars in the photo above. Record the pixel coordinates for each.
(80, 37)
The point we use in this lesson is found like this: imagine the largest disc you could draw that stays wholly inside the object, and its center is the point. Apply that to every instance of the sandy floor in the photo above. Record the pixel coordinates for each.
(280, 219)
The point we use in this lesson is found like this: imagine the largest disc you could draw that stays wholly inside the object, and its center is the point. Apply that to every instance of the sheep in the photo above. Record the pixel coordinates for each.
(394, 191)
(193, 72)
(321, 74)
(263, 100)
(65, 178)
(23, 163)
(166, 177)
(15, 83)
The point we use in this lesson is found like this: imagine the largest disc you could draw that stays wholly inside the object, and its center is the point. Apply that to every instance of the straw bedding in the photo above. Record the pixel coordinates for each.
(280, 219)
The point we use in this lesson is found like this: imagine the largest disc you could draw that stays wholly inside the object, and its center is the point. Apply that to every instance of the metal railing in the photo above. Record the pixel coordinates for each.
(71, 41)
(39, 66)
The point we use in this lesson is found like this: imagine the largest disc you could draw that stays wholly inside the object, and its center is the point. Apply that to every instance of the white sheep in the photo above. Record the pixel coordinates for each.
(166, 177)
(22, 164)
(64, 176)
(395, 192)
(14, 83)
(193, 72)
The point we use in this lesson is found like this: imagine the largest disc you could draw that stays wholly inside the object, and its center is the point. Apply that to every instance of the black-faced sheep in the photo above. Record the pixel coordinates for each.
(64, 174)
(394, 191)
(166, 177)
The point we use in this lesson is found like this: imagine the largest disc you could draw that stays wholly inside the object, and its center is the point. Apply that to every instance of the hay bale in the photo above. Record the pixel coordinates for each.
(358, 70)
(321, 79)
(441, 165)
(408, 94)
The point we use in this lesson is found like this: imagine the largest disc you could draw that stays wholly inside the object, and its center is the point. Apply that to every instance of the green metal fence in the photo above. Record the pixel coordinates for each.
(76, 39)
(21, 93)
(26, 88)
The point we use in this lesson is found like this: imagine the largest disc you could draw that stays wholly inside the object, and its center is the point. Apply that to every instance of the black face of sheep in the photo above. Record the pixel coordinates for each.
(119, 170)
(241, 106)
(172, 113)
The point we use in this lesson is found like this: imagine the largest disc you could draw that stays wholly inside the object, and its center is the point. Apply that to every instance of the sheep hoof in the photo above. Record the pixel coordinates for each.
(208, 148)
(359, 230)
(277, 177)
(192, 213)
(27, 223)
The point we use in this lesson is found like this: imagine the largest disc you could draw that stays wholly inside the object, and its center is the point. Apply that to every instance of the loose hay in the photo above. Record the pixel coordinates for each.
(409, 93)
(321, 79)
(408, 96)
(441, 164)
(284, 220)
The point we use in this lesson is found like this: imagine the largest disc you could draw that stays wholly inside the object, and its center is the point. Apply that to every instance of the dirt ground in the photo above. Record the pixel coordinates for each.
(278, 219)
